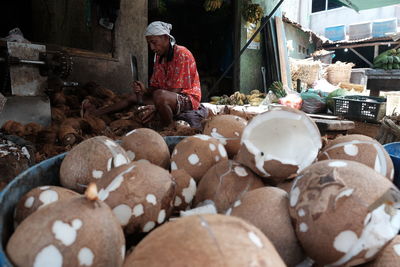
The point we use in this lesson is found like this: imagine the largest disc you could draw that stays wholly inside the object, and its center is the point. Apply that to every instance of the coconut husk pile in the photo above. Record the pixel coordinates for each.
(18, 153)
(71, 125)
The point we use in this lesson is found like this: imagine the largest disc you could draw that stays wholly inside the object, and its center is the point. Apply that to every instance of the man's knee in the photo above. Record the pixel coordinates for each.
(159, 97)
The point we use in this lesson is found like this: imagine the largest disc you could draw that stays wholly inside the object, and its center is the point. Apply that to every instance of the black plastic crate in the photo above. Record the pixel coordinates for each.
(360, 108)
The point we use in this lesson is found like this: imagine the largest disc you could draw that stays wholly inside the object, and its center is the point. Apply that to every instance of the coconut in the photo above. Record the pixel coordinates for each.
(145, 143)
(71, 232)
(89, 160)
(344, 212)
(196, 154)
(39, 197)
(279, 143)
(286, 185)
(140, 194)
(266, 208)
(228, 130)
(185, 189)
(205, 240)
(389, 256)
(224, 184)
(360, 148)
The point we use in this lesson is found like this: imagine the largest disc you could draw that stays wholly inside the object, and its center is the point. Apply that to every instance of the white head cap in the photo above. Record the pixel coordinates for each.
(160, 28)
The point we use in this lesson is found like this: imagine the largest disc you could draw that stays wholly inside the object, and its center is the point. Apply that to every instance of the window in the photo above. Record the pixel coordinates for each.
(322, 5)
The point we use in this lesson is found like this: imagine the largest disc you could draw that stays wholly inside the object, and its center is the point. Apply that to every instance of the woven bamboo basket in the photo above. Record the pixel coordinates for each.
(339, 72)
(389, 131)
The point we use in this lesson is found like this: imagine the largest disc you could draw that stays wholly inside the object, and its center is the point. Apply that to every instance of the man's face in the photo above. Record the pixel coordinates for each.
(158, 44)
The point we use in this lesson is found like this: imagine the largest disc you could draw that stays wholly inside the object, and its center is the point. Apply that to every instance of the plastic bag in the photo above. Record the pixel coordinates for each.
(313, 103)
(292, 100)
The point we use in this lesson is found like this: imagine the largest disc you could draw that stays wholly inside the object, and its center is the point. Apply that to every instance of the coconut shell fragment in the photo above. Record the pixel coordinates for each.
(196, 154)
(89, 161)
(69, 232)
(360, 148)
(205, 240)
(145, 143)
(344, 212)
(224, 184)
(39, 197)
(140, 194)
(279, 143)
(266, 208)
(228, 130)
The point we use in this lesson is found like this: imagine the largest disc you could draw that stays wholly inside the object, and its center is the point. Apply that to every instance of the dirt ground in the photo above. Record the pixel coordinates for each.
(369, 129)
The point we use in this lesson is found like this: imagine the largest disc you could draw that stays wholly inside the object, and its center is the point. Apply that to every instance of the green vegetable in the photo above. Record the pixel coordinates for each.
(330, 102)
(277, 89)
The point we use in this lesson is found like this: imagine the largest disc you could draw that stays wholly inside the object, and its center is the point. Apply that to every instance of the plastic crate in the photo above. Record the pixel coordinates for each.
(335, 33)
(360, 108)
(381, 27)
(360, 31)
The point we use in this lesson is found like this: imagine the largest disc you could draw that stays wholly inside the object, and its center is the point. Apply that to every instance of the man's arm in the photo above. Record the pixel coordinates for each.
(116, 107)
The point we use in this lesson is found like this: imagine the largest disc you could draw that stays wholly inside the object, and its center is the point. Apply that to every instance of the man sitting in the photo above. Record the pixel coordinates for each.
(174, 90)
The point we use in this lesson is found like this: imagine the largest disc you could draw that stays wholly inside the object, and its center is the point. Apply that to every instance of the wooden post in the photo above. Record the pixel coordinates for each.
(281, 48)
(237, 21)
(376, 51)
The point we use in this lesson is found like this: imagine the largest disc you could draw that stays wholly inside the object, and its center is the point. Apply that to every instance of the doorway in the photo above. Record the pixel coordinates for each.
(209, 35)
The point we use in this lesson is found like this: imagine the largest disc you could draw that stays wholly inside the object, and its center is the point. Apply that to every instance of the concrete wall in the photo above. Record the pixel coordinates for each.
(252, 59)
(298, 42)
(320, 20)
(298, 11)
(129, 39)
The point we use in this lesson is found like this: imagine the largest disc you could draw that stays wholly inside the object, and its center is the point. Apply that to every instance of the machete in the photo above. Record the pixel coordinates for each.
(135, 76)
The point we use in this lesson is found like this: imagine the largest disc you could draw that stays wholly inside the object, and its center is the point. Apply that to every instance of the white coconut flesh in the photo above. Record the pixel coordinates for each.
(380, 227)
(351, 149)
(283, 136)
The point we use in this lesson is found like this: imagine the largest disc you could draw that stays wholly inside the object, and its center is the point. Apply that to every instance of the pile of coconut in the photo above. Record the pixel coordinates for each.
(216, 199)
(71, 125)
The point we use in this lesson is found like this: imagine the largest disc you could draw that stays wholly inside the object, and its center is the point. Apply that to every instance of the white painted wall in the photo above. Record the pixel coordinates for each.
(300, 11)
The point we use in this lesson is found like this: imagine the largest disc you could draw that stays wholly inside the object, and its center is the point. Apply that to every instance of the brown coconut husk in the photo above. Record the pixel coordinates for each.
(58, 99)
(47, 136)
(51, 150)
(73, 101)
(97, 102)
(32, 128)
(121, 127)
(98, 91)
(97, 125)
(57, 115)
(67, 135)
(7, 126)
(14, 128)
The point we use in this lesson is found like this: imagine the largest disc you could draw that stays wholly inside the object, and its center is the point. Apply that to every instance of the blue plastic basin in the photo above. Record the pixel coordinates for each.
(44, 173)
(394, 151)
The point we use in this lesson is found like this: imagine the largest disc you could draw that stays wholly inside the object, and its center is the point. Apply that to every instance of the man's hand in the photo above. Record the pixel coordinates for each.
(138, 87)
(147, 113)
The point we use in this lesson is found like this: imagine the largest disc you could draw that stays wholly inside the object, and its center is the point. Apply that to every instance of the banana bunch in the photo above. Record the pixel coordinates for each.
(239, 99)
(255, 98)
(388, 60)
(212, 5)
(253, 13)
